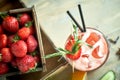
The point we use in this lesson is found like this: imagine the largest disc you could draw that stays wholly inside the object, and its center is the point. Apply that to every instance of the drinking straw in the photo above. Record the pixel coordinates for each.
(74, 21)
(82, 19)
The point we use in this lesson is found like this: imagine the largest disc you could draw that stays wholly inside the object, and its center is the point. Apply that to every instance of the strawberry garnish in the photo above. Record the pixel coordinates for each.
(72, 48)
(93, 38)
(74, 56)
(95, 52)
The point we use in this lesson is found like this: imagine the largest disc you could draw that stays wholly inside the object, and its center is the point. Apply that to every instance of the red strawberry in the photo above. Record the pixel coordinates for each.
(26, 63)
(24, 18)
(3, 68)
(3, 40)
(70, 43)
(10, 40)
(32, 28)
(74, 56)
(10, 24)
(23, 33)
(93, 38)
(19, 48)
(6, 55)
(1, 30)
(31, 43)
(69, 46)
(37, 58)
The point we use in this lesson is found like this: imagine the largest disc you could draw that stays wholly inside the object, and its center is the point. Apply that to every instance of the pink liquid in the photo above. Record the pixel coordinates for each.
(90, 58)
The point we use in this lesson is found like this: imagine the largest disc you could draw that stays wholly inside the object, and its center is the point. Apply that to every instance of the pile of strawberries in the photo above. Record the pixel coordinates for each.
(18, 43)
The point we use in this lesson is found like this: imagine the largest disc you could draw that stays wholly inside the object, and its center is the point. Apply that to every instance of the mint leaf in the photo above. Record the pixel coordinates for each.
(76, 46)
(75, 33)
(54, 55)
(63, 50)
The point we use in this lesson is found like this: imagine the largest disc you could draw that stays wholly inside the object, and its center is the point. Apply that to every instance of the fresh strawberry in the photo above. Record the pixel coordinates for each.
(3, 40)
(1, 30)
(31, 43)
(10, 24)
(26, 63)
(24, 18)
(35, 55)
(69, 45)
(3, 68)
(23, 33)
(32, 28)
(19, 48)
(93, 38)
(6, 55)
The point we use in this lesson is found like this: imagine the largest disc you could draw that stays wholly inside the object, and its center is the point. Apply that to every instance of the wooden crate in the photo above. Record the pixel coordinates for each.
(42, 66)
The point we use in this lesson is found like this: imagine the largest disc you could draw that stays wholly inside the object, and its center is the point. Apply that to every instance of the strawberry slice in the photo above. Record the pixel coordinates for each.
(69, 47)
(70, 43)
(74, 56)
(93, 38)
(95, 52)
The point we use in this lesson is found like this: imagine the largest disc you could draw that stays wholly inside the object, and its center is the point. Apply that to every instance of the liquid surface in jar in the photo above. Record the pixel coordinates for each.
(93, 57)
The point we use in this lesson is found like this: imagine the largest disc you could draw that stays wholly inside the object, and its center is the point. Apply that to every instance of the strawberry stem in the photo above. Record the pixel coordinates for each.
(32, 69)
(16, 38)
(75, 33)
(29, 24)
(76, 46)
(54, 55)
(34, 53)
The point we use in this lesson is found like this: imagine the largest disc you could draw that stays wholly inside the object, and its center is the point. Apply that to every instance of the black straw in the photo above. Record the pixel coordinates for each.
(82, 19)
(74, 21)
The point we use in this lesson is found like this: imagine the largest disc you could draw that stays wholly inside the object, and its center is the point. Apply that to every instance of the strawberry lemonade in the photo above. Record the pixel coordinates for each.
(91, 52)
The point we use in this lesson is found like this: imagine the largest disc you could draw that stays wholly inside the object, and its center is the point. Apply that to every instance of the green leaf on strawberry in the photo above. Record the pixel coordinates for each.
(29, 23)
(75, 33)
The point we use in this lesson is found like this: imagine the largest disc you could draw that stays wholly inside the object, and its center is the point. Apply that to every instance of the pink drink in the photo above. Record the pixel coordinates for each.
(88, 58)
